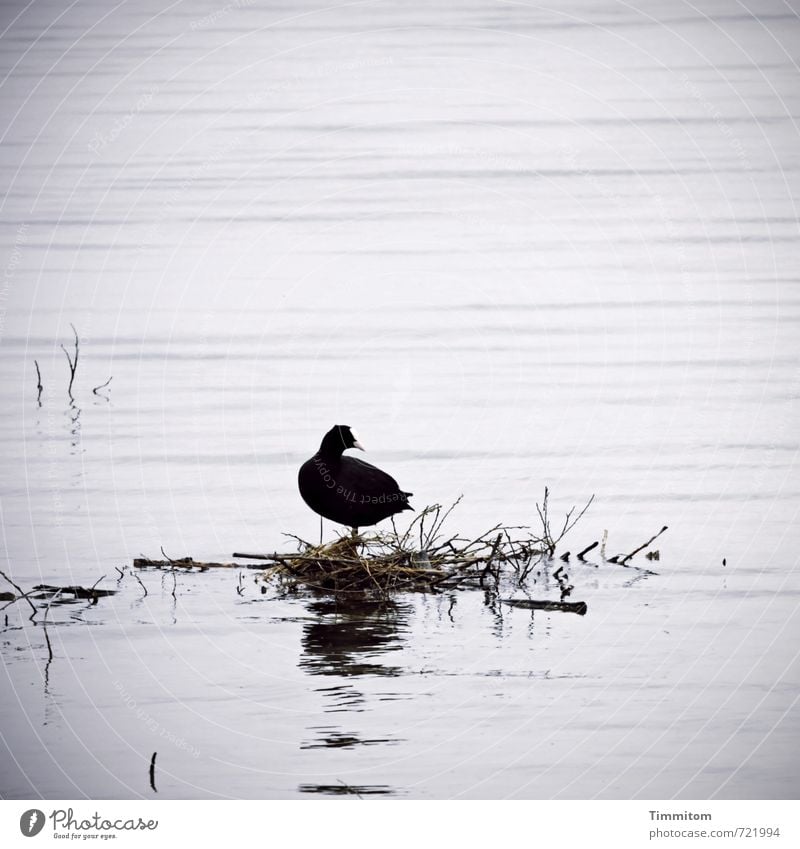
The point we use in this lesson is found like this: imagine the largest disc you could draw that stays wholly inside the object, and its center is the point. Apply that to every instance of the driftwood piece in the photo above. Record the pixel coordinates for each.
(188, 563)
(578, 607)
(46, 590)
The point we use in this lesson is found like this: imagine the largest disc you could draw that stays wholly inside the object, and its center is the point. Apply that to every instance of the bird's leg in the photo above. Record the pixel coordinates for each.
(353, 533)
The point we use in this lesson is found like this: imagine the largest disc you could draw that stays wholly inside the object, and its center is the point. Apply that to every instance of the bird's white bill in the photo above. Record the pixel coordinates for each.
(356, 443)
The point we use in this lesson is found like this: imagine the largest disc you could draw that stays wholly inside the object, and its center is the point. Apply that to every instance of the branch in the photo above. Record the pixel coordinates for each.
(637, 550)
(578, 607)
(22, 593)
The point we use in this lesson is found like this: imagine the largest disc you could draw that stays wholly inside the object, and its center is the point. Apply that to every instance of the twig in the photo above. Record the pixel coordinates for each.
(264, 556)
(569, 525)
(95, 391)
(582, 554)
(73, 361)
(491, 557)
(300, 540)
(547, 538)
(153, 772)
(637, 550)
(39, 383)
(22, 594)
(603, 546)
(437, 527)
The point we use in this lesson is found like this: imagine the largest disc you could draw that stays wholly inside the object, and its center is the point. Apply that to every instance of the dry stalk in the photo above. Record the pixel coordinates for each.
(73, 361)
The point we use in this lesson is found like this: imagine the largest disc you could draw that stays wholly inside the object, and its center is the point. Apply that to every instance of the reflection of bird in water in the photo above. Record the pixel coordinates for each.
(346, 641)
(349, 639)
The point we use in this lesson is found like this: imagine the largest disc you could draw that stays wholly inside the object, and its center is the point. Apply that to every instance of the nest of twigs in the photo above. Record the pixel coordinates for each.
(422, 557)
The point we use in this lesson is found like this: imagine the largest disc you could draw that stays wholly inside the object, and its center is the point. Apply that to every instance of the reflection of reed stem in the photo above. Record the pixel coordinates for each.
(38, 383)
(44, 625)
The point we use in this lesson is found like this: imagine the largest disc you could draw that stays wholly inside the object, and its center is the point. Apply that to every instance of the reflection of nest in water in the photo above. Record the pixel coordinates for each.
(420, 558)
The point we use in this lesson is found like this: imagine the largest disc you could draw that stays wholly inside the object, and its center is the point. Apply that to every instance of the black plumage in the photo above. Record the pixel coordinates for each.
(345, 489)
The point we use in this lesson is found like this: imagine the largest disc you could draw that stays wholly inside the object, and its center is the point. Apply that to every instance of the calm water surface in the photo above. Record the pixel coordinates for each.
(514, 246)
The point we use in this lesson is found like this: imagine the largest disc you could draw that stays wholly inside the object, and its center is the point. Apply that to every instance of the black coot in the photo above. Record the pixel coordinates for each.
(346, 490)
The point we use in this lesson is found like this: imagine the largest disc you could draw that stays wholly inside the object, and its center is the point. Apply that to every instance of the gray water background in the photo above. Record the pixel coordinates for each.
(514, 246)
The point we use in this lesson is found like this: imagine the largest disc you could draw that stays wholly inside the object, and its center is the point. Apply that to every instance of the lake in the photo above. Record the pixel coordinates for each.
(515, 247)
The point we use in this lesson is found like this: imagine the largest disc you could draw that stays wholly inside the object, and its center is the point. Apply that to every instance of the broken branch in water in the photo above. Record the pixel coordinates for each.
(190, 563)
(578, 607)
(73, 361)
(637, 550)
(78, 592)
(581, 554)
